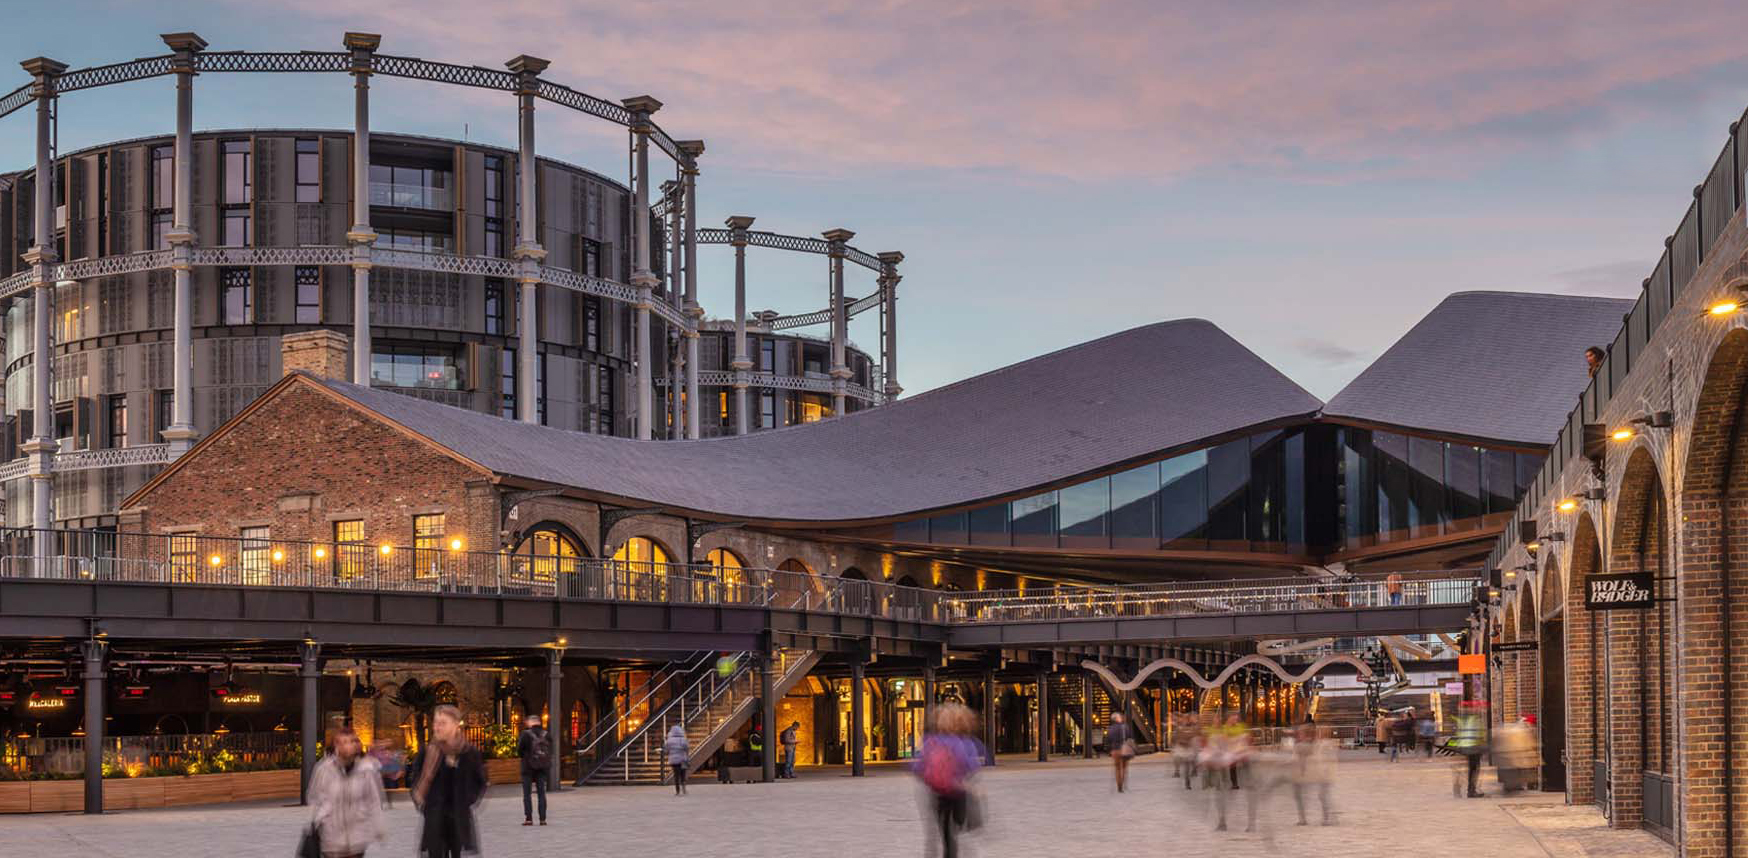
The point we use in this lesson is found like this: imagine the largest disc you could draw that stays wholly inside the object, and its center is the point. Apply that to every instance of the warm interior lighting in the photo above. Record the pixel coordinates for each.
(1623, 434)
(1511, 573)
(1724, 308)
(454, 545)
(387, 549)
(1567, 505)
(215, 560)
(321, 552)
(278, 556)
(1534, 547)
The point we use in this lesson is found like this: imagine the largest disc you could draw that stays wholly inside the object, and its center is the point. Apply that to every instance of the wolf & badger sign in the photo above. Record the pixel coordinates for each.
(1619, 591)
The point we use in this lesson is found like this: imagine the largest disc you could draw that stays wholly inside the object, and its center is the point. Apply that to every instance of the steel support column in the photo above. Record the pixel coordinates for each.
(840, 370)
(1086, 747)
(528, 251)
(889, 297)
(858, 736)
(363, 47)
(180, 434)
(929, 697)
(642, 278)
(555, 723)
(310, 653)
(989, 717)
(1043, 728)
(95, 694)
(691, 149)
(742, 364)
(767, 715)
(41, 258)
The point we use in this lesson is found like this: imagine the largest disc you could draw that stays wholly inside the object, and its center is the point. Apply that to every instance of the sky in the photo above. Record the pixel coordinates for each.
(1312, 176)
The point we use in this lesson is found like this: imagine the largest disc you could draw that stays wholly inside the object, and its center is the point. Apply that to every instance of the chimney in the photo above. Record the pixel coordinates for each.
(321, 353)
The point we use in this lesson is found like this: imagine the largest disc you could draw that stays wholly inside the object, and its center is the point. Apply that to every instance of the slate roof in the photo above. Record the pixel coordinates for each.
(1086, 407)
(1501, 366)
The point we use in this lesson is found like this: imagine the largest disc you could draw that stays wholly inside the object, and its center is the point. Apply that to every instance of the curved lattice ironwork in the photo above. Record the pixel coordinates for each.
(582, 101)
(418, 69)
(17, 98)
(113, 73)
(272, 61)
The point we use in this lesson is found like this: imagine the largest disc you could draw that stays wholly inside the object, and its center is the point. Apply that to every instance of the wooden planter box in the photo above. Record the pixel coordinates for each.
(135, 793)
(504, 771)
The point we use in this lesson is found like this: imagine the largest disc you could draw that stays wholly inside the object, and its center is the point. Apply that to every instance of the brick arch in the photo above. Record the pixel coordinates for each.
(1634, 731)
(1584, 659)
(1712, 585)
(1527, 617)
(1553, 590)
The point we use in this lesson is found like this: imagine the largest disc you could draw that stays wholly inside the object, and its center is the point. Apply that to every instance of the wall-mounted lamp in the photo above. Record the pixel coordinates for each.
(1654, 420)
(1567, 504)
(1554, 536)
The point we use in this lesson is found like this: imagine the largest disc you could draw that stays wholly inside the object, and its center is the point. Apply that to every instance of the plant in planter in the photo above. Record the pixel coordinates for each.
(421, 700)
(500, 742)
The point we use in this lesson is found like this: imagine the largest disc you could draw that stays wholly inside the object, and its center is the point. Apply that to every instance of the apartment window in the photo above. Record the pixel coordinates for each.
(590, 258)
(428, 545)
(255, 556)
(350, 552)
(309, 171)
(767, 356)
(163, 184)
(495, 307)
(540, 389)
(161, 414)
(494, 238)
(494, 187)
(117, 420)
(236, 299)
(409, 187)
(768, 409)
(160, 230)
(428, 366)
(239, 187)
(591, 323)
(507, 383)
(235, 227)
(416, 239)
(103, 204)
(309, 294)
(722, 404)
(604, 400)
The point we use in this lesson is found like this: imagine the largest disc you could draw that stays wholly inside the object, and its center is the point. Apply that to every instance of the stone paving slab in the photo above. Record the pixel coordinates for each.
(1066, 807)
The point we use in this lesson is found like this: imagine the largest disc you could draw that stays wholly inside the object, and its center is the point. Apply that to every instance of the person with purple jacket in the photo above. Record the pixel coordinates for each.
(949, 758)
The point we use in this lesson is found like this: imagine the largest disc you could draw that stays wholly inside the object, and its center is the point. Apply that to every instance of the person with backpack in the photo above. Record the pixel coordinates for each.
(1121, 746)
(789, 739)
(679, 751)
(949, 758)
(535, 749)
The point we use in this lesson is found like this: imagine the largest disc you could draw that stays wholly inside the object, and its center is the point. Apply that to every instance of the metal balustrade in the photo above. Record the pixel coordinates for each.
(1177, 599)
(158, 753)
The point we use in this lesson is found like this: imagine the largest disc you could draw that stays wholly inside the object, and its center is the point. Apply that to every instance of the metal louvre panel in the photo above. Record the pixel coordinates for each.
(273, 61)
(417, 69)
(121, 72)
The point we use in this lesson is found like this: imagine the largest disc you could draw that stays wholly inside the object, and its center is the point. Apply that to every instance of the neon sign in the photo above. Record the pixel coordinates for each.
(241, 698)
(44, 704)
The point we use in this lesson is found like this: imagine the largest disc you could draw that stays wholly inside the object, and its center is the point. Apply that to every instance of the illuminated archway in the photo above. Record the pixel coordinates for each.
(1640, 730)
(640, 568)
(726, 578)
(547, 550)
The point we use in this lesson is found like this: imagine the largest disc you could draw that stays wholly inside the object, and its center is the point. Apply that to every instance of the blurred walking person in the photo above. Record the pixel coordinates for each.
(1426, 730)
(1314, 772)
(392, 765)
(1381, 730)
(535, 749)
(1224, 756)
(950, 757)
(346, 798)
(1121, 746)
(1470, 741)
(449, 779)
(679, 751)
(1401, 734)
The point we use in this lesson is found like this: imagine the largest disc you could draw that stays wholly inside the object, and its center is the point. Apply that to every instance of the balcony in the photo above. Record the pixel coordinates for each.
(409, 195)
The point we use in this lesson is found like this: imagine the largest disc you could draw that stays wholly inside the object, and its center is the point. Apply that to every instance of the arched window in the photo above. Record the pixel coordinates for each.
(726, 581)
(795, 583)
(551, 550)
(641, 570)
(853, 574)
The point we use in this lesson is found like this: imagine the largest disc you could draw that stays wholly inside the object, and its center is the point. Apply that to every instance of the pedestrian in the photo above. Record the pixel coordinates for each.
(1470, 740)
(392, 765)
(1427, 731)
(679, 752)
(535, 749)
(1224, 757)
(1393, 586)
(449, 779)
(1381, 730)
(1401, 734)
(345, 797)
(755, 748)
(790, 738)
(950, 757)
(1121, 746)
(1314, 772)
(1593, 358)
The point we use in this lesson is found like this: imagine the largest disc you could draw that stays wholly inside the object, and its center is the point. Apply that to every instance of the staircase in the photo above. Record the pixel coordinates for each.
(708, 705)
(1066, 687)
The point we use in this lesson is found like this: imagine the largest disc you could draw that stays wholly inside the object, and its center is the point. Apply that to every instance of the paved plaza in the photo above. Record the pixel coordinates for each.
(1062, 808)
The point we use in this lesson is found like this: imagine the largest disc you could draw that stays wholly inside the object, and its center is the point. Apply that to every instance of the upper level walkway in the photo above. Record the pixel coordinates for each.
(188, 588)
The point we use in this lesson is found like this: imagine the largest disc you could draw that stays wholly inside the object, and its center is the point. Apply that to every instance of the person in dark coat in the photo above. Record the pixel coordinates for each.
(534, 748)
(449, 779)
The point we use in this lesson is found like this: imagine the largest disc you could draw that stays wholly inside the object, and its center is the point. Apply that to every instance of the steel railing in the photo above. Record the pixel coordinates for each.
(1173, 599)
(159, 753)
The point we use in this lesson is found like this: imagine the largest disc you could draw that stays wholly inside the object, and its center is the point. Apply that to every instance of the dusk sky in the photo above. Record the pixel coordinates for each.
(1310, 176)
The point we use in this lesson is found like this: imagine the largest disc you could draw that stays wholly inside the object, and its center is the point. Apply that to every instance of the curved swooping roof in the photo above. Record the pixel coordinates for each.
(1086, 407)
(1501, 366)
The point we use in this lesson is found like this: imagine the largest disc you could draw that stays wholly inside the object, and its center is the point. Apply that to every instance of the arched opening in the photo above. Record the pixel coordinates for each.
(906, 581)
(546, 551)
(1506, 664)
(1640, 732)
(796, 584)
(1551, 651)
(1586, 777)
(1713, 589)
(725, 577)
(1528, 672)
(640, 570)
(853, 574)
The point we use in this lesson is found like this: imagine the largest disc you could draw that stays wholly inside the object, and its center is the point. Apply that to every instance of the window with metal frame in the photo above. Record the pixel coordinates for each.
(309, 170)
(428, 533)
(236, 296)
(351, 555)
(255, 554)
(308, 280)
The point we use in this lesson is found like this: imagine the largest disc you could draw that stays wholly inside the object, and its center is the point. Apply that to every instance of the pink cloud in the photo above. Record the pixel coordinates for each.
(1097, 89)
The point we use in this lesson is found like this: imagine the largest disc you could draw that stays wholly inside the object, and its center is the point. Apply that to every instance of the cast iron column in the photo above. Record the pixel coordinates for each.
(555, 724)
(858, 741)
(1086, 748)
(1043, 713)
(742, 364)
(642, 278)
(41, 258)
(310, 652)
(928, 697)
(676, 350)
(767, 714)
(528, 252)
(691, 149)
(362, 237)
(989, 717)
(840, 370)
(95, 650)
(889, 295)
(180, 434)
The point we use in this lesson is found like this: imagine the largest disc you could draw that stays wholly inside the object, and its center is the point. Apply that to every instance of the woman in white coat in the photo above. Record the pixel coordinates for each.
(346, 798)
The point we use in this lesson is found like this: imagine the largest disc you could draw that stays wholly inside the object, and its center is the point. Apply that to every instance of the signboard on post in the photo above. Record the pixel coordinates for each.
(1471, 663)
(1515, 646)
(1619, 591)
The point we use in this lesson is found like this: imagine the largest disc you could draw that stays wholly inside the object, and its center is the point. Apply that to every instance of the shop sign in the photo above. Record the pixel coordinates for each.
(241, 698)
(1619, 591)
(44, 705)
(1515, 646)
(1471, 663)
(1454, 687)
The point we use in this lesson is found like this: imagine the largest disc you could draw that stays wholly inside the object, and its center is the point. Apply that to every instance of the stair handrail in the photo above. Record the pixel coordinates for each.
(659, 716)
(649, 689)
(706, 698)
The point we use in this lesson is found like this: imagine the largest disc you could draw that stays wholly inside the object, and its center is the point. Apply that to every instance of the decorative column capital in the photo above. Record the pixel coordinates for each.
(738, 225)
(691, 149)
(641, 106)
(45, 71)
(889, 262)
(838, 238)
(38, 256)
(527, 70)
(185, 46)
(363, 47)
